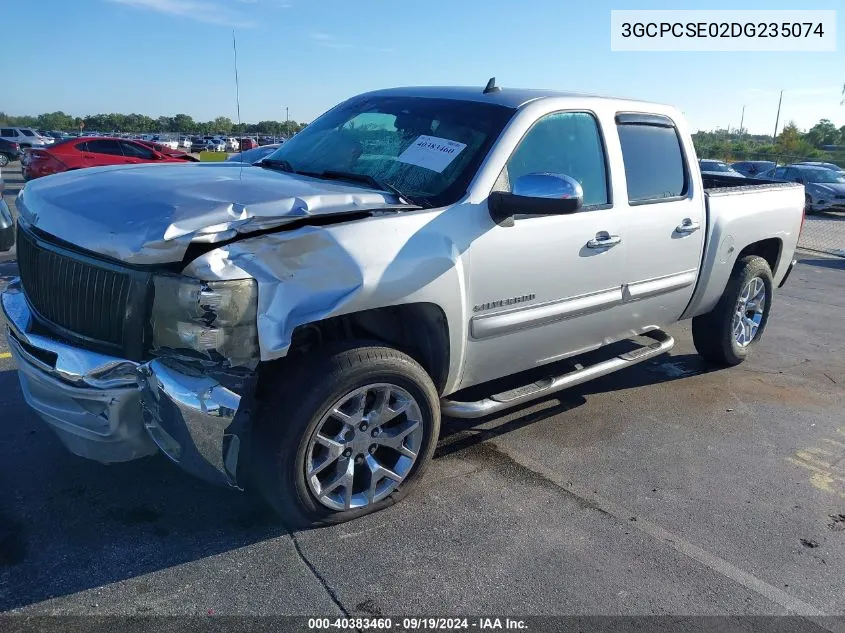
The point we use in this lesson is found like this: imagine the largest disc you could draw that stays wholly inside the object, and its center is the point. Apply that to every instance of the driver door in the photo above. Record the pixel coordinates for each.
(538, 292)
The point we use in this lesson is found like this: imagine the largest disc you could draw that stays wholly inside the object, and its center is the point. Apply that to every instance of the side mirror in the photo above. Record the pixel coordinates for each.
(536, 194)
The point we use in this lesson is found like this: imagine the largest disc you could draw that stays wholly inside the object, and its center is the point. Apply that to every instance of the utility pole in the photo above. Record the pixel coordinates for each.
(287, 122)
(741, 121)
(777, 118)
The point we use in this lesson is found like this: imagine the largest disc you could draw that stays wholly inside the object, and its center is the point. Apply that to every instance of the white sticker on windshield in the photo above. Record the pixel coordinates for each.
(432, 153)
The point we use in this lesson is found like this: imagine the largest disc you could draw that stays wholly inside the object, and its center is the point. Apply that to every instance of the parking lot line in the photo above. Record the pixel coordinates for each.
(708, 559)
(5, 355)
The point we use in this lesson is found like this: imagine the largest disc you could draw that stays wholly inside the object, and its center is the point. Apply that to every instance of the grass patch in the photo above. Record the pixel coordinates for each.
(213, 157)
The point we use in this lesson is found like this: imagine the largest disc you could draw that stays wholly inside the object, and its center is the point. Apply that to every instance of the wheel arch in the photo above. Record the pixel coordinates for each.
(420, 330)
(769, 249)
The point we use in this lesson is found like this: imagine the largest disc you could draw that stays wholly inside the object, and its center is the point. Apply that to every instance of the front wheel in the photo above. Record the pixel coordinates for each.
(4, 160)
(808, 203)
(347, 433)
(727, 334)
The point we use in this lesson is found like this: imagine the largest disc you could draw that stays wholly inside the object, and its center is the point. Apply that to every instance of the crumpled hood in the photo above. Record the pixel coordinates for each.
(146, 214)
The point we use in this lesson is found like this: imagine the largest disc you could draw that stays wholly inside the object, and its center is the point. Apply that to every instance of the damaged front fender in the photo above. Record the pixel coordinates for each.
(317, 272)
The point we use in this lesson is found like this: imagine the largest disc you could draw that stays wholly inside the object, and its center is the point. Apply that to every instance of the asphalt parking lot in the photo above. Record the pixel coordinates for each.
(669, 488)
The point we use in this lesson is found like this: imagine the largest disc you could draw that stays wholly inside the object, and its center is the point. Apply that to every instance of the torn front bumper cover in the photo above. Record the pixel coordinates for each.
(113, 410)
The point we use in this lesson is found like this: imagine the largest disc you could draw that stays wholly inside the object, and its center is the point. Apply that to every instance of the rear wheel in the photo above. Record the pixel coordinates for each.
(347, 433)
(4, 160)
(727, 334)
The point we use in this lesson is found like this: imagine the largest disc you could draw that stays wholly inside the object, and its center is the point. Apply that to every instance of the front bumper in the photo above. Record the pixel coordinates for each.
(113, 410)
(7, 225)
(829, 204)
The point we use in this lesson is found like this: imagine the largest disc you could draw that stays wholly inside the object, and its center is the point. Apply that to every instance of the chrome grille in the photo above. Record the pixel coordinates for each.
(74, 294)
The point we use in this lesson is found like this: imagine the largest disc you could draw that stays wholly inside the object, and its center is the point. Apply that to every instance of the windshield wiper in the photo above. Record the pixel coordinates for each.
(276, 163)
(369, 180)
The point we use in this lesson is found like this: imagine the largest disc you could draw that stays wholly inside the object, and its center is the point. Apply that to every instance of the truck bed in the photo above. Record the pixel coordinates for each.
(739, 212)
(718, 183)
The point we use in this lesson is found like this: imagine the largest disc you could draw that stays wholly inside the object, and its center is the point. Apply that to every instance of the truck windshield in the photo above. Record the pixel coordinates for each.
(426, 149)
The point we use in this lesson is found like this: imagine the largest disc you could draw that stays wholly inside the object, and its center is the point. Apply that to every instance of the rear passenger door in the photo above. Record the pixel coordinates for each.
(102, 152)
(665, 223)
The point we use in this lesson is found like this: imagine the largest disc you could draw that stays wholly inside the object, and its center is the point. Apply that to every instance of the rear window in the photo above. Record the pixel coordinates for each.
(654, 162)
(104, 147)
(28, 132)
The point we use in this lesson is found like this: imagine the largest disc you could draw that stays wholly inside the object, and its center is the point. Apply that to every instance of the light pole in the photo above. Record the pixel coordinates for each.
(777, 118)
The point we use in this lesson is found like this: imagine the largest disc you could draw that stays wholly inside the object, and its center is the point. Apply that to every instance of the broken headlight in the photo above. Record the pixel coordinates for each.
(213, 320)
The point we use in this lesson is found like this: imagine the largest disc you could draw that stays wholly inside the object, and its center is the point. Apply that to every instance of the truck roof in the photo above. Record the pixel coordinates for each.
(508, 97)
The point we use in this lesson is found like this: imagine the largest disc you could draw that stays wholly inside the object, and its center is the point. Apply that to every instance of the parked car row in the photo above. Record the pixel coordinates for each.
(824, 183)
(252, 156)
(95, 151)
(25, 137)
(824, 188)
(9, 151)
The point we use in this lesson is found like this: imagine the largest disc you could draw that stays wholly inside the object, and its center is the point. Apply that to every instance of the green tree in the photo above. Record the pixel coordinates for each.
(222, 124)
(823, 133)
(183, 123)
(55, 121)
(164, 124)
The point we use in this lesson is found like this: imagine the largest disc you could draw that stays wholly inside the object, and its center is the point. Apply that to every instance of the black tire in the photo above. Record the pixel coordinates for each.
(4, 160)
(808, 204)
(290, 414)
(712, 333)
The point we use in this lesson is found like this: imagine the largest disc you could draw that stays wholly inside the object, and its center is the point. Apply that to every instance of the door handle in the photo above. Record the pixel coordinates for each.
(603, 239)
(687, 226)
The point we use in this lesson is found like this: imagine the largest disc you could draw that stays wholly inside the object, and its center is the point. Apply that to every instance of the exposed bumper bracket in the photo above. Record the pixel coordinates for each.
(111, 409)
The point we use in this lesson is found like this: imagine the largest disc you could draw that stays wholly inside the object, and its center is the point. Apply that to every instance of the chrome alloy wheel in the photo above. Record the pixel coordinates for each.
(364, 447)
(749, 312)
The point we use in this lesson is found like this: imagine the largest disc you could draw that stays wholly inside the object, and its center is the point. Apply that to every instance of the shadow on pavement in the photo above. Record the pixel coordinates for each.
(461, 434)
(824, 262)
(68, 524)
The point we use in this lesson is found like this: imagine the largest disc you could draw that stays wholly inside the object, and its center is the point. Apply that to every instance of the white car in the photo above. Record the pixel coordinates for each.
(162, 140)
(25, 137)
(169, 142)
(216, 145)
(185, 142)
(232, 145)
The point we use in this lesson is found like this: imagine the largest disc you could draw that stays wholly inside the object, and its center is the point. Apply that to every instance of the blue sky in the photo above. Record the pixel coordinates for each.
(162, 57)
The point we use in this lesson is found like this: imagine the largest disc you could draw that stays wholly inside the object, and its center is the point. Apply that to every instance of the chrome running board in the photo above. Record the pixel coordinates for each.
(507, 399)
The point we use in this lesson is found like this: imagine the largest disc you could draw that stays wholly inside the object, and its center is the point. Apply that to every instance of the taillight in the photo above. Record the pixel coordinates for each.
(46, 161)
(37, 154)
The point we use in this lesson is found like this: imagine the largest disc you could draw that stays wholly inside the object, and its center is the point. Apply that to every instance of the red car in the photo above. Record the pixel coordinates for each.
(247, 143)
(167, 151)
(95, 151)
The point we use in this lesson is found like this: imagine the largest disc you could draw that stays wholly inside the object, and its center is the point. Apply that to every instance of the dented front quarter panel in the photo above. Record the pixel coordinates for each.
(317, 272)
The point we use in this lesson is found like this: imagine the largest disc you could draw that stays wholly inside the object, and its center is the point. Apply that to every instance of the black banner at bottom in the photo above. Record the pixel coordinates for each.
(411, 624)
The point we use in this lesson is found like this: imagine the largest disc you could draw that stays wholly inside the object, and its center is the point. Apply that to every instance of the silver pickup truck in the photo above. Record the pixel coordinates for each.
(300, 325)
